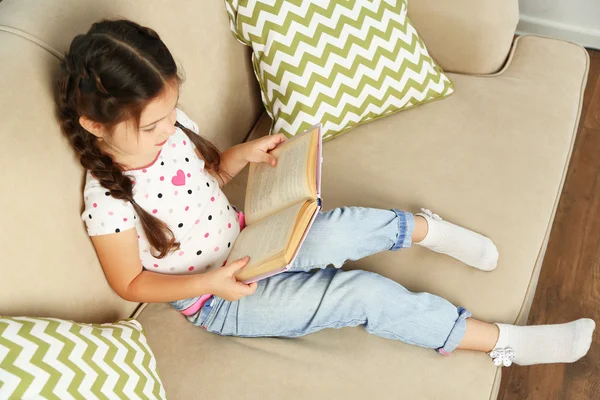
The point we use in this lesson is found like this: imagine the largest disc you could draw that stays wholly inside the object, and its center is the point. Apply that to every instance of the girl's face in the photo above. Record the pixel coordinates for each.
(135, 148)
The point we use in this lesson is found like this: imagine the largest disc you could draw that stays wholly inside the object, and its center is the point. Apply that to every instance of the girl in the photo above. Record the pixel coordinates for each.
(163, 228)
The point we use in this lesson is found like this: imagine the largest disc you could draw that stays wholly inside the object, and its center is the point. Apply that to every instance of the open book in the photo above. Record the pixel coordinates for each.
(281, 204)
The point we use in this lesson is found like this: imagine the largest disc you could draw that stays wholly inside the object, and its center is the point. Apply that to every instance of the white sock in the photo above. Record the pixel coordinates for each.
(544, 344)
(467, 246)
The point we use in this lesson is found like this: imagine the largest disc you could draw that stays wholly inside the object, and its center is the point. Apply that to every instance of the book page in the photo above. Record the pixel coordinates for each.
(271, 189)
(267, 238)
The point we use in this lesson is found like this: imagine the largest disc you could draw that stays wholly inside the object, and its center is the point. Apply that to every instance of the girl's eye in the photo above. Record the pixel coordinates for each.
(149, 130)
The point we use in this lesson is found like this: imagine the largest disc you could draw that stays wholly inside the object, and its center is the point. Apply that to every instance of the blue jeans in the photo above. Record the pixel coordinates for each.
(300, 301)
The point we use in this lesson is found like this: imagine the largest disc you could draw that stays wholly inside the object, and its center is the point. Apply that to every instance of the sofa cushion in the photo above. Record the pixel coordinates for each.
(467, 36)
(345, 363)
(337, 63)
(491, 157)
(53, 358)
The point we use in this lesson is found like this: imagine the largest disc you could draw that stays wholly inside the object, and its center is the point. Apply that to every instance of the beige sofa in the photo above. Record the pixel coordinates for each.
(492, 157)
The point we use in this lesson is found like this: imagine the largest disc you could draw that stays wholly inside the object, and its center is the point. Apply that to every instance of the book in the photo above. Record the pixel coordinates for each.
(281, 205)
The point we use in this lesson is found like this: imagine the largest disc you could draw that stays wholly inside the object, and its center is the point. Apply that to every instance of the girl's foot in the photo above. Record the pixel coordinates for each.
(543, 344)
(467, 246)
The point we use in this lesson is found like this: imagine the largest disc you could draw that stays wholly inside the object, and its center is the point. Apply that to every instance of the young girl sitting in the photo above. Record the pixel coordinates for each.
(163, 228)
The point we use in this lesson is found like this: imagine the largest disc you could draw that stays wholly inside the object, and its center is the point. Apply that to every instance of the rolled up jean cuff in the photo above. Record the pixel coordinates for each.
(406, 227)
(457, 333)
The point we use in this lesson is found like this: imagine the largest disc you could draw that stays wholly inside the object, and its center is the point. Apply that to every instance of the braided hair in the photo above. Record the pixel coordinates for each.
(109, 75)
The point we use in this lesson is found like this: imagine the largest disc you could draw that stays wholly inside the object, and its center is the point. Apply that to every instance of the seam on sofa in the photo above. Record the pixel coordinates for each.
(139, 310)
(511, 54)
(32, 39)
(525, 307)
(255, 127)
(496, 384)
(542, 250)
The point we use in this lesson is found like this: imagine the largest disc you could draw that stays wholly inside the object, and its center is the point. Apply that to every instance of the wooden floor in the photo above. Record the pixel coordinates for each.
(569, 285)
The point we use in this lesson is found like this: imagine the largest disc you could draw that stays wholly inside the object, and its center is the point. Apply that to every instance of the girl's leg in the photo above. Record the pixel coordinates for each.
(298, 303)
(421, 229)
(295, 304)
(351, 233)
(528, 345)
(479, 336)
(455, 241)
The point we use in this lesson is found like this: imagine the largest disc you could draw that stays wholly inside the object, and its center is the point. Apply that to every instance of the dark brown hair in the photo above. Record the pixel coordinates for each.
(109, 75)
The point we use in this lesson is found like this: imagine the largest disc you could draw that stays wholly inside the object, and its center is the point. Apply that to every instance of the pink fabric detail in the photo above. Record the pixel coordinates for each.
(242, 220)
(179, 179)
(443, 352)
(194, 308)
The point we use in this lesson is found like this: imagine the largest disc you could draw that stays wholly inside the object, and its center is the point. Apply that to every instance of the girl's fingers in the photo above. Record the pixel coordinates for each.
(269, 159)
(239, 264)
(276, 140)
(247, 290)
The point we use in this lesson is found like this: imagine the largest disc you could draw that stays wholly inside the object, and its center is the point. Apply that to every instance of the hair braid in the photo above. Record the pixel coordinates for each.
(109, 75)
(75, 83)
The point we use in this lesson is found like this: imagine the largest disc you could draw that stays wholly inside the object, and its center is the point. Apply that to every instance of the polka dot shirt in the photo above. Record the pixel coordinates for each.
(176, 189)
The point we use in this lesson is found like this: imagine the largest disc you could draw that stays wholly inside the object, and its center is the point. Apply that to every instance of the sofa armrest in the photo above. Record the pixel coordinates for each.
(466, 36)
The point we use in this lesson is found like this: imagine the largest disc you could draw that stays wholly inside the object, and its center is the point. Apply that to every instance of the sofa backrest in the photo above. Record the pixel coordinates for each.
(48, 264)
(466, 36)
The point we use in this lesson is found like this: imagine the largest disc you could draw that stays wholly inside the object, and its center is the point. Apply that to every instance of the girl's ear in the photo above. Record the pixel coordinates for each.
(93, 127)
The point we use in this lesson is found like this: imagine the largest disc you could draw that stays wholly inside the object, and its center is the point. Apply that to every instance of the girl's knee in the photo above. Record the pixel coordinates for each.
(365, 285)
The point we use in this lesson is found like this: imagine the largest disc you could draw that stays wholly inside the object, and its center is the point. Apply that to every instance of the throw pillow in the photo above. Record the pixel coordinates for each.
(338, 63)
(58, 359)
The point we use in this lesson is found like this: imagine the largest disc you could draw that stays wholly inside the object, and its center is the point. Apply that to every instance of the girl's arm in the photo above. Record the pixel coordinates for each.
(234, 159)
(119, 256)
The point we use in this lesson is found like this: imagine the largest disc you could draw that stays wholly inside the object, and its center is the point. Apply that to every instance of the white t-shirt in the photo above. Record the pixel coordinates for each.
(176, 189)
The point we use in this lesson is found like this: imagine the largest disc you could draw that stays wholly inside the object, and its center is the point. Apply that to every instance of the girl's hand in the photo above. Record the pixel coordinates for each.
(225, 285)
(258, 150)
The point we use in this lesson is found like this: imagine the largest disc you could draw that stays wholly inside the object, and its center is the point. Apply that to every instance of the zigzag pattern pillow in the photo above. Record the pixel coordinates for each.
(57, 359)
(340, 63)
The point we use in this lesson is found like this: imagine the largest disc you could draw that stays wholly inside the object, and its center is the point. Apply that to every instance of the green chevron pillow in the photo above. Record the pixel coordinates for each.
(337, 62)
(57, 359)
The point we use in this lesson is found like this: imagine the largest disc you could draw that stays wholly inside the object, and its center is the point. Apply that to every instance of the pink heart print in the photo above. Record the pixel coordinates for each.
(179, 179)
